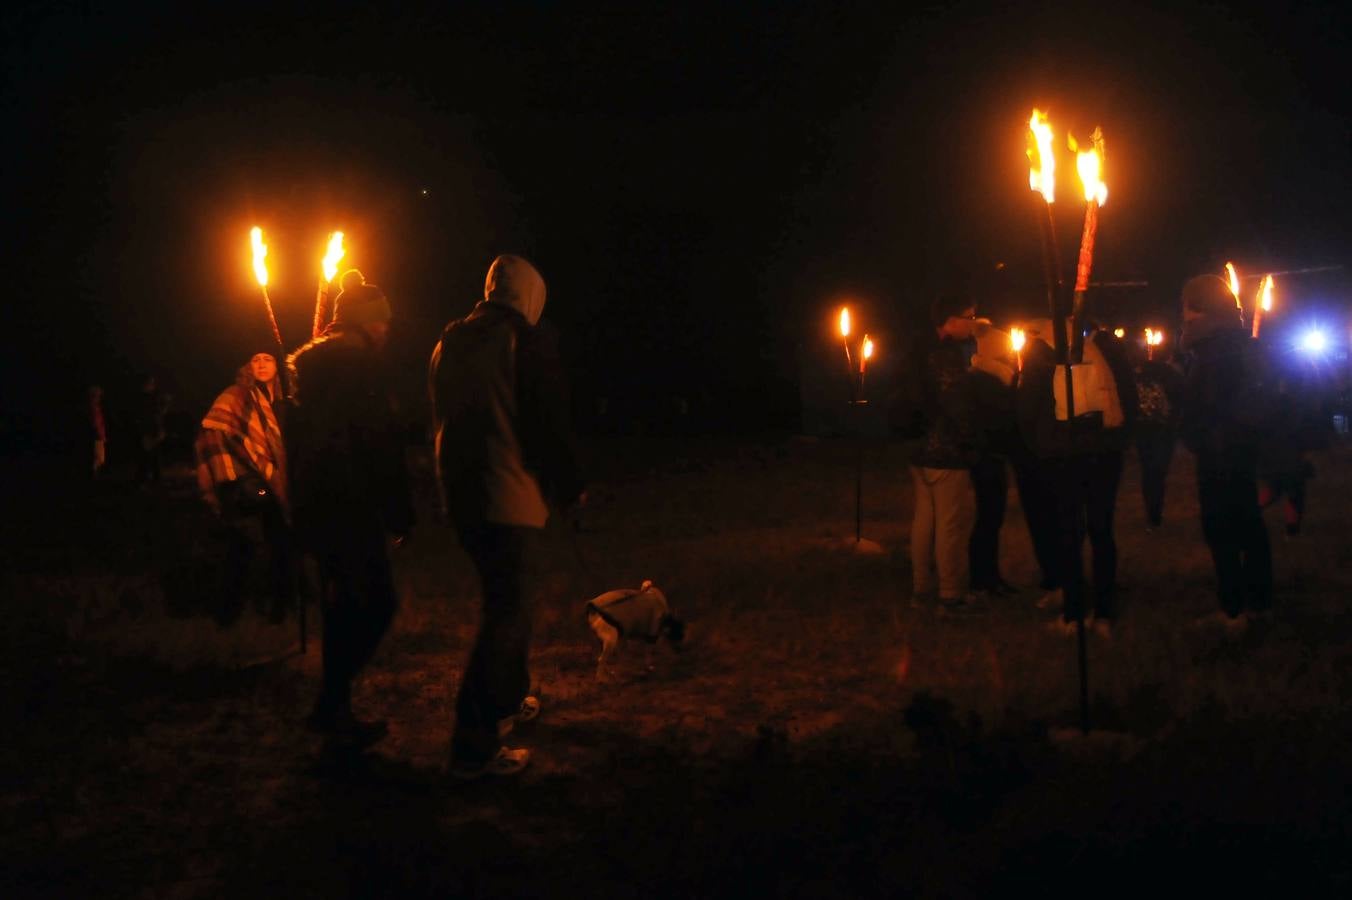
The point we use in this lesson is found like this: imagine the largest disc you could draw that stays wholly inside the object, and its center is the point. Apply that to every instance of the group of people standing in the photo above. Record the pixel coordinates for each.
(979, 409)
(322, 466)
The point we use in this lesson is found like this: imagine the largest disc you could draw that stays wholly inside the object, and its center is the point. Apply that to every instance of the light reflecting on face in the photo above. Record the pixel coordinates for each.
(264, 367)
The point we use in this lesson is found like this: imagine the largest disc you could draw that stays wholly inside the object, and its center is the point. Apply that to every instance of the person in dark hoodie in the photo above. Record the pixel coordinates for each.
(242, 474)
(938, 358)
(349, 491)
(505, 452)
(993, 374)
(1082, 461)
(1159, 389)
(1227, 407)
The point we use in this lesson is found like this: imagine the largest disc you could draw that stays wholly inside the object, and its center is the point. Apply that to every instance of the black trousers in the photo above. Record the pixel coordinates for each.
(990, 481)
(239, 530)
(1086, 502)
(1036, 481)
(1155, 450)
(497, 677)
(359, 602)
(1233, 527)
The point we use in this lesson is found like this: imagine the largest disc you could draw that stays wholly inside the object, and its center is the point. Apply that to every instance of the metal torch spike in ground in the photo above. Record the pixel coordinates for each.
(1041, 158)
(333, 256)
(260, 252)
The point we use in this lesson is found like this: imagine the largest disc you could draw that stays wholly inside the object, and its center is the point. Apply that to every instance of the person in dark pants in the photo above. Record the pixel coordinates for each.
(350, 493)
(242, 475)
(1079, 463)
(1159, 389)
(150, 409)
(505, 452)
(1227, 407)
(1037, 495)
(993, 373)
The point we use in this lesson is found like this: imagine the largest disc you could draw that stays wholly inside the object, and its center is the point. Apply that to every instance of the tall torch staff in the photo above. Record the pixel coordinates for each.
(1042, 179)
(260, 267)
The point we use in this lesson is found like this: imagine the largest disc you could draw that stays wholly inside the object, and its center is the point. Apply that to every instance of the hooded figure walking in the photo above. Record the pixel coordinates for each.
(350, 492)
(1227, 408)
(241, 472)
(505, 452)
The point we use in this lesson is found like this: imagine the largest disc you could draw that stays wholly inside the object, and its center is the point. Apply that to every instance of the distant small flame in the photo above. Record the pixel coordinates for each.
(868, 347)
(1041, 158)
(1119, 333)
(1265, 295)
(1154, 337)
(1234, 279)
(333, 256)
(844, 321)
(1017, 339)
(260, 252)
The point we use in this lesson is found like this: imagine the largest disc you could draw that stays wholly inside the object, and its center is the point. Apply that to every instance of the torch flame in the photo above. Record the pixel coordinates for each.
(333, 256)
(1234, 279)
(1265, 295)
(1041, 159)
(260, 252)
(1119, 333)
(1017, 339)
(844, 321)
(868, 347)
(1089, 163)
(1154, 337)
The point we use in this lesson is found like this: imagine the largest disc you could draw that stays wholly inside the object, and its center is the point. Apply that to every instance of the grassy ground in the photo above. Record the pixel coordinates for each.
(819, 736)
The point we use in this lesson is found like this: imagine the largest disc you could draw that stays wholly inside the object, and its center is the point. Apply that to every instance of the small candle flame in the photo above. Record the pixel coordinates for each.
(260, 252)
(1234, 279)
(1041, 159)
(844, 321)
(333, 256)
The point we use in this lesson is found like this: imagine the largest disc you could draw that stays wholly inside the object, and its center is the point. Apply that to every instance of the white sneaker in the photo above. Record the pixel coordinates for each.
(530, 709)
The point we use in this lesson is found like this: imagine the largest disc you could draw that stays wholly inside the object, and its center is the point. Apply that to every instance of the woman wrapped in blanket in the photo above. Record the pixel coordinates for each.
(241, 471)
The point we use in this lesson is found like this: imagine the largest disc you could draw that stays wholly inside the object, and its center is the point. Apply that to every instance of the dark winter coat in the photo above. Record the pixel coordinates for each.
(1227, 402)
(345, 447)
(936, 363)
(1159, 391)
(1048, 437)
(993, 411)
(505, 445)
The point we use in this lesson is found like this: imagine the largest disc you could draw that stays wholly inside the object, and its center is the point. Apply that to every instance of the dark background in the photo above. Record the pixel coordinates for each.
(699, 185)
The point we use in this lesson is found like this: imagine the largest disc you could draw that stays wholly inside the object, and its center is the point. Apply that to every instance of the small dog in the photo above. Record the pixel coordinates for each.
(629, 613)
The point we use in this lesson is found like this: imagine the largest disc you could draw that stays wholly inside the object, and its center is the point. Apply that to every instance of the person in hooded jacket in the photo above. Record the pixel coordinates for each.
(1159, 389)
(242, 476)
(350, 492)
(1081, 462)
(993, 374)
(505, 453)
(1227, 408)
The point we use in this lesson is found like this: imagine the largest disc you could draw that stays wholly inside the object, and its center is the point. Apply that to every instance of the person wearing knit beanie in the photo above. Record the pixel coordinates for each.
(360, 303)
(1227, 408)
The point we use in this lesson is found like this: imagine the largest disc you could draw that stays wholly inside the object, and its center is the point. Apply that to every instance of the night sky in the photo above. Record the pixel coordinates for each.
(698, 185)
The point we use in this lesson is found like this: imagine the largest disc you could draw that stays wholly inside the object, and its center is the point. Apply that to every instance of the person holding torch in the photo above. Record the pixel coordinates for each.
(350, 493)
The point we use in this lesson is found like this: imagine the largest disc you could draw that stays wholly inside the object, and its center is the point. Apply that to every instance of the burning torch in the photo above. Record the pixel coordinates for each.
(1042, 180)
(1017, 339)
(323, 303)
(1153, 338)
(1233, 277)
(1089, 164)
(1262, 304)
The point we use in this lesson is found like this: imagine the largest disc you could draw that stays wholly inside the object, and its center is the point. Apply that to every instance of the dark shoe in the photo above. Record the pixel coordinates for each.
(505, 762)
(343, 726)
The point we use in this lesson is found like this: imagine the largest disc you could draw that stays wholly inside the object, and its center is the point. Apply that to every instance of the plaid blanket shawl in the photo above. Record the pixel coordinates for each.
(240, 439)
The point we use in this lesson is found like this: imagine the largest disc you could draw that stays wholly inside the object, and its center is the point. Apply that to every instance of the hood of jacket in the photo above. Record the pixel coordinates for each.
(1211, 325)
(514, 283)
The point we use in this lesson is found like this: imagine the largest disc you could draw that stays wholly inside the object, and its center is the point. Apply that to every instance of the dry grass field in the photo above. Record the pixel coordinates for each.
(820, 736)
